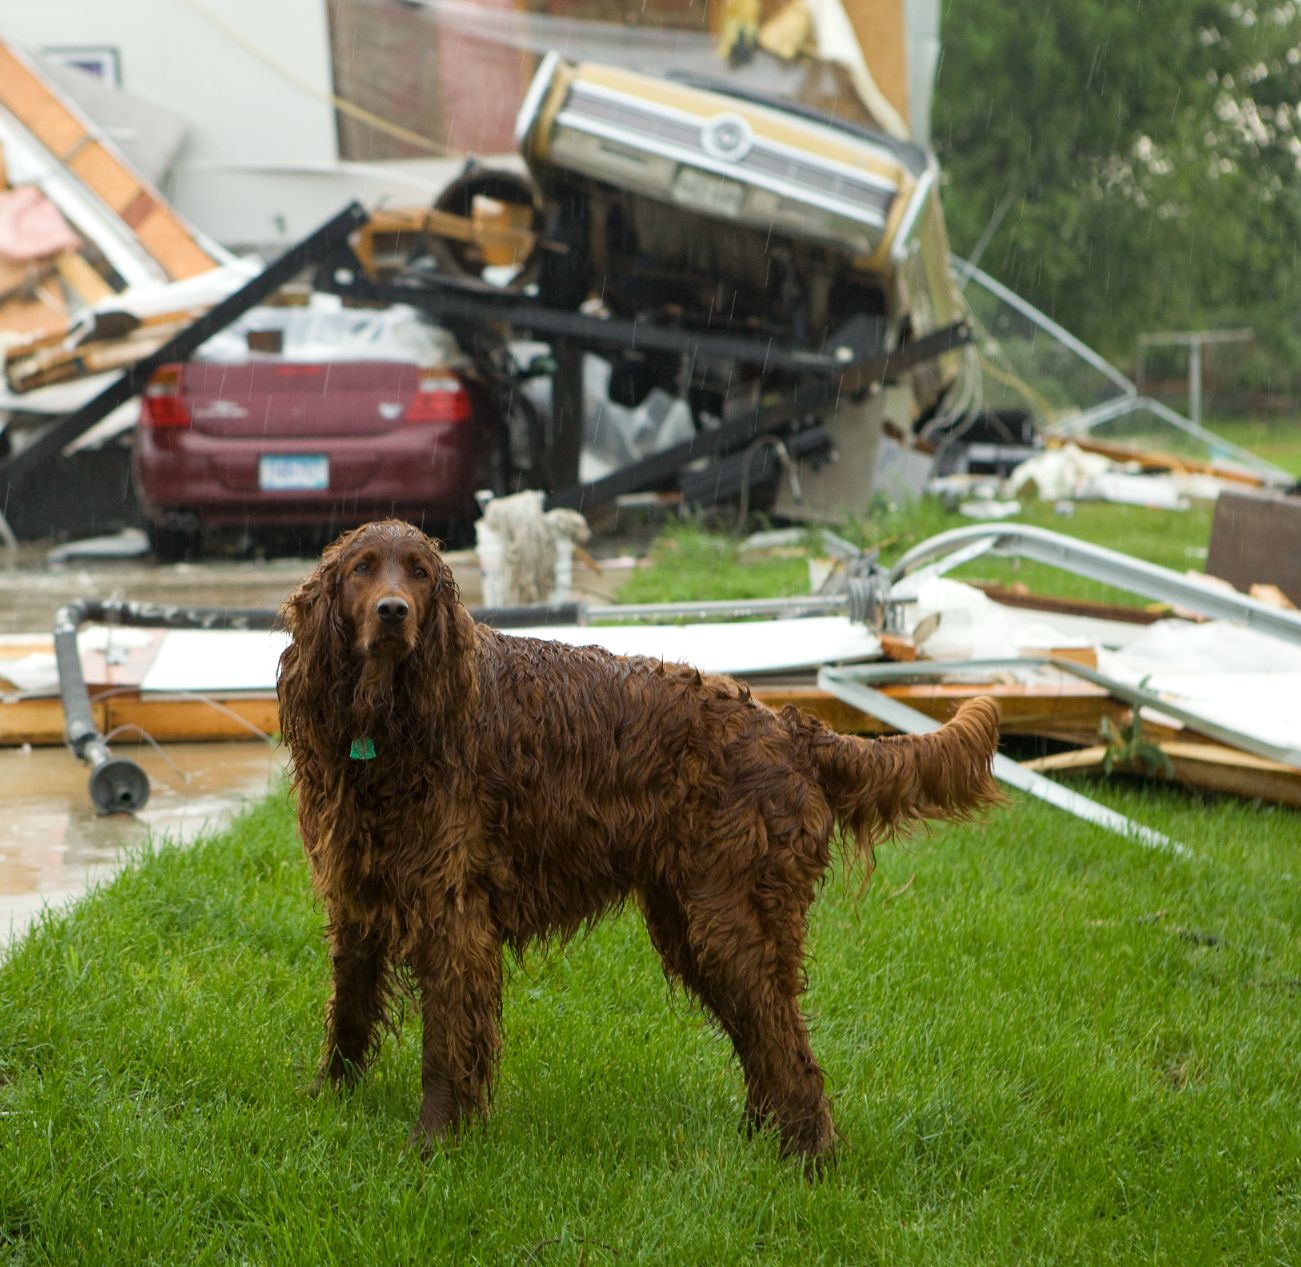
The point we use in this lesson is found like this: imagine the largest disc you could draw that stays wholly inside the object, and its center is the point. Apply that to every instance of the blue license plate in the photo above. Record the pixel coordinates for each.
(293, 473)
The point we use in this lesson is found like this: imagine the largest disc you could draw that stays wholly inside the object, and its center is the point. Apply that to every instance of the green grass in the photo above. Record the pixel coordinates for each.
(1044, 1044)
(1277, 440)
(689, 562)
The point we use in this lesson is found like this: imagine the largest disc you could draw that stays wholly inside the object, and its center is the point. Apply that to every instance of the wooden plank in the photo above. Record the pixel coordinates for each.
(1158, 461)
(97, 169)
(170, 243)
(882, 35)
(1256, 537)
(82, 279)
(90, 358)
(171, 719)
(24, 95)
(1021, 596)
(61, 130)
(898, 648)
(37, 721)
(1208, 766)
(499, 239)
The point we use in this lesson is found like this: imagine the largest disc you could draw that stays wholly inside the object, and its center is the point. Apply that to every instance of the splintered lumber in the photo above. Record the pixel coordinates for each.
(1154, 460)
(491, 228)
(29, 304)
(62, 130)
(1209, 766)
(1074, 714)
(1020, 595)
(49, 360)
(80, 278)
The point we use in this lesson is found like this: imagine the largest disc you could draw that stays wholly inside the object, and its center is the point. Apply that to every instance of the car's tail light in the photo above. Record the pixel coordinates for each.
(164, 406)
(440, 397)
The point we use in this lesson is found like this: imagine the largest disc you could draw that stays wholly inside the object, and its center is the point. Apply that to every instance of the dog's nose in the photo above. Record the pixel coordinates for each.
(392, 610)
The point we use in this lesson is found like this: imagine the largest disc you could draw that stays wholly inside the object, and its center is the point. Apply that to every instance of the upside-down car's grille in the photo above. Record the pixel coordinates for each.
(676, 134)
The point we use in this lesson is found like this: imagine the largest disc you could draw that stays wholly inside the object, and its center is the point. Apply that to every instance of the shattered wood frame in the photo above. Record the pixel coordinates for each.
(328, 241)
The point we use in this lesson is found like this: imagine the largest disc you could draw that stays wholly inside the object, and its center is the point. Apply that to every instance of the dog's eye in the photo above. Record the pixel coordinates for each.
(419, 572)
(361, 569)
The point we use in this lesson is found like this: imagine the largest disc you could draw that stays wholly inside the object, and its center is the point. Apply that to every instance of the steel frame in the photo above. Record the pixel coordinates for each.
(850, 685)
(1100, 564)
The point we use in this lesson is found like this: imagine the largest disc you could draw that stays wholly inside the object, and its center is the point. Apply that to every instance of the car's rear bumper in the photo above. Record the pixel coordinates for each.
(411, 471)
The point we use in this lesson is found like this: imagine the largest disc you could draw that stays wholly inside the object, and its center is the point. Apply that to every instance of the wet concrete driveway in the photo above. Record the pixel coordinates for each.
(52, 843)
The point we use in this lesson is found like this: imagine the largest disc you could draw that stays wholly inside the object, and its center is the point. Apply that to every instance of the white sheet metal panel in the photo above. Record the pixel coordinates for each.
(212, 661)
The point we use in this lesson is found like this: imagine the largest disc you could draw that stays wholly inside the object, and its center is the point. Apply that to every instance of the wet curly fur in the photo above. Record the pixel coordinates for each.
(520, 788)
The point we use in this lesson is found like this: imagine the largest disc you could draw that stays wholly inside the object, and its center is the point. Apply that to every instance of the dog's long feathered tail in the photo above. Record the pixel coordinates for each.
(879, 786)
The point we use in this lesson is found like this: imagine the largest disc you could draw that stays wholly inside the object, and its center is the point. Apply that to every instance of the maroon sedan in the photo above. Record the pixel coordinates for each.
(270, 440)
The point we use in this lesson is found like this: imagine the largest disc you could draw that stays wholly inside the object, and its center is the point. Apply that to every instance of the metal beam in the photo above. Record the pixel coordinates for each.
(1111, 568)
(467, 301)
(850, 686)
(807, 399)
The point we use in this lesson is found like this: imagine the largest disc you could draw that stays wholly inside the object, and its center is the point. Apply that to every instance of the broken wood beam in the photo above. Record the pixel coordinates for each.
(1207, 766)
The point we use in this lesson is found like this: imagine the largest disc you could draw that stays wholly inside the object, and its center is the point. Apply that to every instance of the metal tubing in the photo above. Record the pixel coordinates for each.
(911, 670)
(117, 784)
(1112, 568)
(1190, 717)
(809, 605)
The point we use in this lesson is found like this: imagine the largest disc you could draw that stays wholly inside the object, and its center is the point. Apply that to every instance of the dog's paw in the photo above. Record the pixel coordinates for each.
(425, 1141)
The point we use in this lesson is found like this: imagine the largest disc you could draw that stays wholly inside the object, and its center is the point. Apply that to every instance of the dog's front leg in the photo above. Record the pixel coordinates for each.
(356, 1004)
(459, 971)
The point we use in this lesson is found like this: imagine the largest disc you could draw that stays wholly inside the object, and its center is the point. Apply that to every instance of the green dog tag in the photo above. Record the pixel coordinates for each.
(363, 750)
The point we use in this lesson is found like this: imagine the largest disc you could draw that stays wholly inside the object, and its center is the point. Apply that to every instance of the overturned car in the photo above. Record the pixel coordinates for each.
(733, 208)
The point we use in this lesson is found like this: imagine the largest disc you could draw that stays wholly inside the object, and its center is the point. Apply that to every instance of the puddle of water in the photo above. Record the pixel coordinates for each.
(53, 845)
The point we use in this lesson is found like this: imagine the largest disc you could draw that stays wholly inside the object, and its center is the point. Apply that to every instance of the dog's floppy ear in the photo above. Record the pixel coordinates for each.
(318, 655)
(304, 609)
(445, 662)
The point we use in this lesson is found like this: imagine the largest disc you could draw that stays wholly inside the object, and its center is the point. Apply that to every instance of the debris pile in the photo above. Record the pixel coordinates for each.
(96, 270)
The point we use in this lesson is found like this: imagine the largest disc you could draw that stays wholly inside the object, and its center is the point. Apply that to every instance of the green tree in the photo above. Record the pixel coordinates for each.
(1148, 153)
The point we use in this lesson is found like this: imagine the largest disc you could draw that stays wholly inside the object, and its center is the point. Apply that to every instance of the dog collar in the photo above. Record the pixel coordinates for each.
(362, 750)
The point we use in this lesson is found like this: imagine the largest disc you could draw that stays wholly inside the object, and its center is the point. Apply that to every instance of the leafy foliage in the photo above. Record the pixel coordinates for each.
(1148, 154)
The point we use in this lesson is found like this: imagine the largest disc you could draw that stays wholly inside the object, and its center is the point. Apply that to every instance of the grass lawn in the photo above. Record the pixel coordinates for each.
(1044, 1044)
(688, 561)
(1277, 440)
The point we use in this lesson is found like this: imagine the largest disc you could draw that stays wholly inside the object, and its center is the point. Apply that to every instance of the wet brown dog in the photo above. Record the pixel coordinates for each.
(461, 791)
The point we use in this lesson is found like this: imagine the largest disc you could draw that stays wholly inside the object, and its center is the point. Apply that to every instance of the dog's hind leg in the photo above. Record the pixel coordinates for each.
(356, 1004)
(754, 971)
(459, 970)
(666, 922)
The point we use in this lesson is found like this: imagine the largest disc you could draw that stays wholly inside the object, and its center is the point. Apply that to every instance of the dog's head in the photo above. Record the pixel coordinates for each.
(380, 611)
(390, 577)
